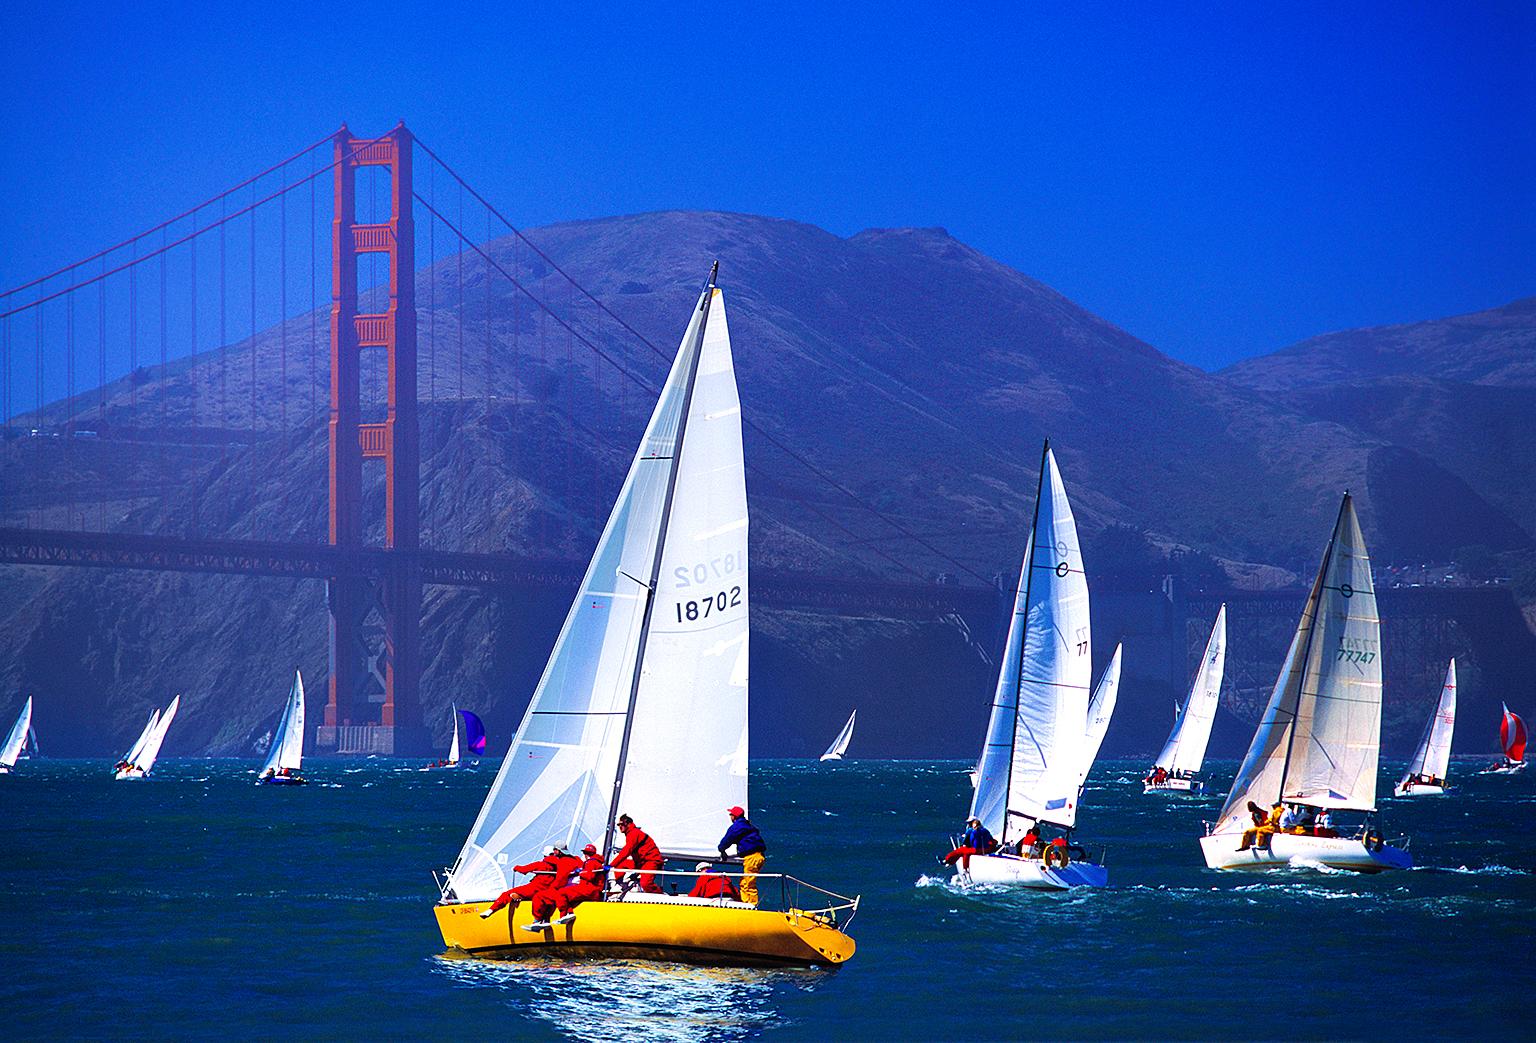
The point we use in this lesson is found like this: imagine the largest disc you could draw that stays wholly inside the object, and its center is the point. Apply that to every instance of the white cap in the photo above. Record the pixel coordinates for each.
(702, 867)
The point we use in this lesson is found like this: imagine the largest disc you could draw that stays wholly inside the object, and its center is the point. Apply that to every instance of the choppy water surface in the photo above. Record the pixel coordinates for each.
(199, 904)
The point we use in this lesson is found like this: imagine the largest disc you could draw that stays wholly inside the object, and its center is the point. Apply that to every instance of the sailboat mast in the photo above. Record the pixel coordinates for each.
(706, 301)
(1018, 687)
(1306, 652)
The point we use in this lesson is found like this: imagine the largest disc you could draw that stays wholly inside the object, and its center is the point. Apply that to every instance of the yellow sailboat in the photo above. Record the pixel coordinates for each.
(642, 709)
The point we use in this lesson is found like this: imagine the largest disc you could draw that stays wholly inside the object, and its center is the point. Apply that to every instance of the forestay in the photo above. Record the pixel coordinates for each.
(1432, 759)
(1030, 765)
(288, 745)
(1185, 748)
(1100, 709)
(686, 681)
(1320, 736)
(17, 737)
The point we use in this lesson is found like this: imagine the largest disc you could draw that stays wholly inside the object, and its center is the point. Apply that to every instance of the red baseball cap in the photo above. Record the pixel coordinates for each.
(590, 849)
(735, 812)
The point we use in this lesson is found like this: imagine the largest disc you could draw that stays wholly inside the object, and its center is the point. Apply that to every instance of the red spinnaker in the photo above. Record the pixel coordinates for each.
(1512, 735)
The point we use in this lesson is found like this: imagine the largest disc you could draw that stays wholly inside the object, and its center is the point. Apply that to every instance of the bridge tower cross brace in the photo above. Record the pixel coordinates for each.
(357, 671)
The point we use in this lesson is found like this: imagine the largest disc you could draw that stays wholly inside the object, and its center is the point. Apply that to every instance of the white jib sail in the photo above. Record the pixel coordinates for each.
(1433, 757)
(1320, 737)
(1040, 709)
(156, 737)
(557, 782)
(1185, 748)
(131, 757)
(839, 746)
(18, 736)
(287, 749)
(453, 747)
(1100, 709)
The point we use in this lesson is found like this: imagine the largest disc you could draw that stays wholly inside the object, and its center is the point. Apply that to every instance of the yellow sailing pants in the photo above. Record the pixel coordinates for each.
(750, 866)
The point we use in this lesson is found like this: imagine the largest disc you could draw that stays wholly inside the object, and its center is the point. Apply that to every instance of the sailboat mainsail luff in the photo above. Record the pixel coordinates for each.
(697, 353)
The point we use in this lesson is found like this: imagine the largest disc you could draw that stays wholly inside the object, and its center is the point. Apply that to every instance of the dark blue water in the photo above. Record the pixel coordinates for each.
(199, 904)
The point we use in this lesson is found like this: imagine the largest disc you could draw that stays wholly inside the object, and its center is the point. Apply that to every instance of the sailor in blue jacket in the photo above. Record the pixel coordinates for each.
(976, 840)
(750, 846)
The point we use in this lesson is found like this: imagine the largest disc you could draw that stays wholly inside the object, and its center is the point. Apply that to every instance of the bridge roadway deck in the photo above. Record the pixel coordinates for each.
(771, 587)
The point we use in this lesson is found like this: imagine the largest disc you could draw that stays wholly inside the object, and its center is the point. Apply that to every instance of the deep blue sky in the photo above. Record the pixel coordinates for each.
(1220, 180)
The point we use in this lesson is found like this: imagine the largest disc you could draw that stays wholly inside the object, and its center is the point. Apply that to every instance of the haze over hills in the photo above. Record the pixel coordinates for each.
(918, 373)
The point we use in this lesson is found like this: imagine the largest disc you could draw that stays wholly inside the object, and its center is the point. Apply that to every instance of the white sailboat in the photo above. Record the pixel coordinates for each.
(286, 754)
(17, 738)
(1316, 748)
(1036, 753)
(1427, 770)
(139, 761)
(1179, 762)
(642, 709)
(1100, 709)
(476, 740)
(839, 746)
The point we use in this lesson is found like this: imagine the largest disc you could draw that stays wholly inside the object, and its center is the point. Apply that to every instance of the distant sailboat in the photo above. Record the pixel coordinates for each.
(474, 735)
(1183, 754)
(139, 761)
(1427, 770)
(1036, 753)
(839, 745)
(642, 709)
(1512, 741)
(1317, 746)
(286, 754)
(11, 751)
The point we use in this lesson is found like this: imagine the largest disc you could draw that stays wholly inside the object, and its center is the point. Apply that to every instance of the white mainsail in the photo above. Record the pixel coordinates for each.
(156, 737)
(1320, 736)
(1433, 757)
(131, 757)
(642, 707)
(453, 747)
(1185, 748)
(1029, 766)
(17, 737)
(287, 749)
(839, 746)
(1100, 709)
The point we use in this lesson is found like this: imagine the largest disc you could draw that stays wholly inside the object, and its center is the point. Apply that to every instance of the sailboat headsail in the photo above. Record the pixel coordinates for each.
(1100, 708)
(839, 746)
(1512, 735)
(651, 664)
(1185, 749)
(132, 756)
(287, 749)
(155, 737)
(453, 747)
(1320, 736)
(474, 732)
(1030, 765)
(17, 737)
(1432, 758)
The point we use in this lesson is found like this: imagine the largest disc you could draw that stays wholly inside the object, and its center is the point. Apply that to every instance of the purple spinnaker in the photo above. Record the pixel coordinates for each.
(474, 733)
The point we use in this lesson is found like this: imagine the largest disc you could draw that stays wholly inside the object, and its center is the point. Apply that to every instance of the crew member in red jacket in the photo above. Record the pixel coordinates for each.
(712, 884)
(587, 886)
(550, 871)
(639, 852)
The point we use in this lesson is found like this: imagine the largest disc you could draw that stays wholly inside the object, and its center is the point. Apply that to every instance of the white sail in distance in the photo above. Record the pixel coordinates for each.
(839, 746)
(453, 747)
(1185, 748)
(131, 757)
(1432, 758)
(287, 749)
(17, 737)
(154, 738)
(677, 693)
(1029, 766)
(1320, 736)
(1100, 709)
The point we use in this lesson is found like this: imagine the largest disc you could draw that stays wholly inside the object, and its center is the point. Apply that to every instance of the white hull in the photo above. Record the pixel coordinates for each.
(439, 767)
(1287, 849)
(831, 756)
(1031, 873)
(1514, 769)
(1419, 790)
(1191, 786)
(126, 775)
(283, 780)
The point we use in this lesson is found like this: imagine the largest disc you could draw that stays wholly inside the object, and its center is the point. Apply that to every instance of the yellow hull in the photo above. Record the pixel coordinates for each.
(687, 933)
